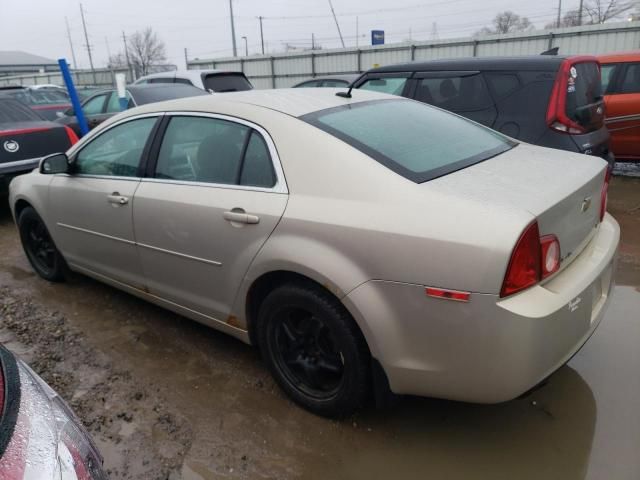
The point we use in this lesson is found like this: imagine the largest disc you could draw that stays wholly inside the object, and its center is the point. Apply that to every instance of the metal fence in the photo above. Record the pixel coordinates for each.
(100, 78)
(284, 70)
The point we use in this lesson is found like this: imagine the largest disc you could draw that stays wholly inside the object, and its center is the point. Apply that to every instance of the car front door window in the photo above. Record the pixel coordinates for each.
(116, 152)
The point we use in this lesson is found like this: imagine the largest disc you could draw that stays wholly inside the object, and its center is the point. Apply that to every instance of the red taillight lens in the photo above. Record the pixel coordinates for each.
(557, 118)
(1, 389)
(524, 266)
(604, 195)
(73, 138)
(550, 255)
(448, 294)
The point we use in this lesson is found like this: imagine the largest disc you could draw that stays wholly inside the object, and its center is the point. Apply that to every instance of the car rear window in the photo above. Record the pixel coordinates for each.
(411, 138)
(14, 111)
(228, 82)
(584, 94)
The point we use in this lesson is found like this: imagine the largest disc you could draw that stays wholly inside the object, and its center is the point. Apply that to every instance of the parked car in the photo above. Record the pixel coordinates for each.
(106, 103)
(363, 242)
(213, 81)
(332, 81)
(47, 102)
(621, 84)
(40, 437)
(551, 101)
(25, 137)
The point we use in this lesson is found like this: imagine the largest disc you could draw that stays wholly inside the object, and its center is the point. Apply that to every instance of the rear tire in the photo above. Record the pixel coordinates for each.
(42, 253)
(314, 350)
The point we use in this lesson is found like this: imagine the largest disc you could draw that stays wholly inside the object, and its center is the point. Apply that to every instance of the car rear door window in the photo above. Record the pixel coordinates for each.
(113, 105)
(212, 150)
(455, 93)
(631, 79)
(116, 152)
(95, 105)
(502, 84)
(391, 85)
(606, 74)
(335, 83)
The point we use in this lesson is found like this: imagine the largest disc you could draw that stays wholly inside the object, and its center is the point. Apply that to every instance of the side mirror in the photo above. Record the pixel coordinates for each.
(56, 163)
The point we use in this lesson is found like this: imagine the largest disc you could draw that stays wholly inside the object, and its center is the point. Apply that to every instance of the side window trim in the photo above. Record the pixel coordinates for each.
(280, 185)
(145, 152)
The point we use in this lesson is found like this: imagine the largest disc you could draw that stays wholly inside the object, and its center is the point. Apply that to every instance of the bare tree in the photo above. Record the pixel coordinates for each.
(570, 19)
(146, 50)
(117, 61)
(507, 22)
(600, 11)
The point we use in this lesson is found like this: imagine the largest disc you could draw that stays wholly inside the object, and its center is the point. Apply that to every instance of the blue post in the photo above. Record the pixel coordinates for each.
(75, 100)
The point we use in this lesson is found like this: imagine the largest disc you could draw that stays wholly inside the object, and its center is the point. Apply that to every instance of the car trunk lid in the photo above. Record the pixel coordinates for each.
(27, 140)
(561, 190)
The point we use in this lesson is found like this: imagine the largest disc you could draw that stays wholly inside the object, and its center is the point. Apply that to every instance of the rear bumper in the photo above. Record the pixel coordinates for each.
(488, 350)
(19, 166)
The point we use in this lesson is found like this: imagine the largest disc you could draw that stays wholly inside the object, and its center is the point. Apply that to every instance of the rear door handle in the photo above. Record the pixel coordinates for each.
(117, 199)
(240, 216)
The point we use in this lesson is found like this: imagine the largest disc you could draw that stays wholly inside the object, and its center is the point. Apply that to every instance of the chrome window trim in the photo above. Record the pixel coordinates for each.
(281, 183)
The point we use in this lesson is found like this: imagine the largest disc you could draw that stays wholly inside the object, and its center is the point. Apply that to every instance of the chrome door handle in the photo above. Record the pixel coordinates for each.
(117, 199)
(240, 216)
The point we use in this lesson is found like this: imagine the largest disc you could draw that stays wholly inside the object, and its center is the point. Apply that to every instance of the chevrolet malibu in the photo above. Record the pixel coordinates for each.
(365, 243)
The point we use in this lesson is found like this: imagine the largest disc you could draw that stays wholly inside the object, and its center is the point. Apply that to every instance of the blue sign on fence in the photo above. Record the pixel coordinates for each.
(377, 37)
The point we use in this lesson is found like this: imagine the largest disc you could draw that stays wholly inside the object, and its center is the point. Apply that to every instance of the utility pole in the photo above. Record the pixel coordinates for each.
(73, 52)
(261, 36)
(580, 12)
(106, 42)
(313, 41)
(86, 39)
(337, 25)
(357, 33)
(233, 30)
(559, 12)
(246, 47)
(126, 55)
(186, 59)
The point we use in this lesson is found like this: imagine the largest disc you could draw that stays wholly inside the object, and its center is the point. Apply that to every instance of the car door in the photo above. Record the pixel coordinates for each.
(622, 101)
(92, 206)
(94, 109)
(215, 193)
(464, 93)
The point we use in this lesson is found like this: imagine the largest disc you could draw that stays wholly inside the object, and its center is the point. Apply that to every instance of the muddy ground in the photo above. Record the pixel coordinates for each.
(167, 398)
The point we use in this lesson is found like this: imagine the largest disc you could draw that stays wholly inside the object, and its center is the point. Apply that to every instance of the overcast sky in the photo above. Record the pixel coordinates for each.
(202, 26)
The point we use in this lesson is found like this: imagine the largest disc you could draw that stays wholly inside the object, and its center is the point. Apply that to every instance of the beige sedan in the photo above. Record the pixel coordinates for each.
(365, 243)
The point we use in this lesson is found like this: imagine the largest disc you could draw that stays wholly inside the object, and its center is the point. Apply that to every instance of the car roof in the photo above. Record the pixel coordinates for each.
(349, 77)
(633, 56)
(291, 101)
(531, 62)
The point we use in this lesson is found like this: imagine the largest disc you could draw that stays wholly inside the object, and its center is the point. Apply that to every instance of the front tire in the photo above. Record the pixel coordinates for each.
(42, 253)
(314, 350)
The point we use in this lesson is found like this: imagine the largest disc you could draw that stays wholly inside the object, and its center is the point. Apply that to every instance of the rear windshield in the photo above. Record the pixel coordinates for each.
(40, 97)
(159, 93)
(227, 82)
(414, 140)
(14, 111)
(584, 95)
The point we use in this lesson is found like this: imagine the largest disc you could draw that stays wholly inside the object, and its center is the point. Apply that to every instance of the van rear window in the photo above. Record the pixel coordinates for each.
(226, 82)
(411, 138)
(584, 95)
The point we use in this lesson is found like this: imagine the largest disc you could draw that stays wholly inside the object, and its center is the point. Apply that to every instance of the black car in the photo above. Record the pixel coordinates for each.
(552, 101)
(106, 103)
(49, 103)
(328, 81)
(25, 137)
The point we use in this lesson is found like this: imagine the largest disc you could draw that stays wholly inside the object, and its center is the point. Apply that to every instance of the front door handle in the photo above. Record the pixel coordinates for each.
(117, 199)
(238, 215)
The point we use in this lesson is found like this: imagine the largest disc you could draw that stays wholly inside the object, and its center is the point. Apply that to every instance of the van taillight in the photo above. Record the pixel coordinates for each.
(604, 194)
(557, 118)
(533, 259)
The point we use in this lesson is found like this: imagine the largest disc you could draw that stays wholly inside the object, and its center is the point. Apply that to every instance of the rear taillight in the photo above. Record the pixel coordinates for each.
(1, 391)
(73, 138)
(533, 259)
(557, 118)
(550, 255)
(604, 195)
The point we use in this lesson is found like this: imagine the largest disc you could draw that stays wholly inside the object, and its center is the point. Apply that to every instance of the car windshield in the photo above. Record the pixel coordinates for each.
(228, 82)
(414, 140)
(158, 93)
(40, 97)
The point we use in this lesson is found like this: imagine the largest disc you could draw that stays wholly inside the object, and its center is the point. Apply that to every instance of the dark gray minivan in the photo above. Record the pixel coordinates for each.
(552, 101)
